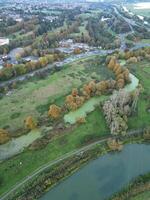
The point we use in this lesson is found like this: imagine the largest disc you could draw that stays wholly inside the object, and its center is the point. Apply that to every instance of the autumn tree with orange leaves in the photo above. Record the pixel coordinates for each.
(4, 136)
(74, 101)
(30, 123)
(54, 111)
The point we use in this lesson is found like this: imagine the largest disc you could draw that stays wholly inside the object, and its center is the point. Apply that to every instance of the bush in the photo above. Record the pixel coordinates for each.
(15, 115)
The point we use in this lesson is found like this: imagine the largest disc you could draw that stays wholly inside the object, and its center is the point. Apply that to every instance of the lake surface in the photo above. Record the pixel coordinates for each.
(104, 176)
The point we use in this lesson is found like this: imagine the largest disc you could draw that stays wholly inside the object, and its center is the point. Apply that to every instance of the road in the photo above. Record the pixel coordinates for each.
(60, 64)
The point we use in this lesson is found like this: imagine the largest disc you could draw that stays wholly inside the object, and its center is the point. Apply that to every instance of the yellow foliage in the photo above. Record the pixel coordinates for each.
(54, 111)
(30, 123)
(4, 136)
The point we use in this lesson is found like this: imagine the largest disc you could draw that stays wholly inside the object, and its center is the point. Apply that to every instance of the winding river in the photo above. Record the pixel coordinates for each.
(104, 176)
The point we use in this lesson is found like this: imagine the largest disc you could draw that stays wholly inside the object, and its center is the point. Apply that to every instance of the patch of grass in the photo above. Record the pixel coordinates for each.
(143, 196)
(142, 117)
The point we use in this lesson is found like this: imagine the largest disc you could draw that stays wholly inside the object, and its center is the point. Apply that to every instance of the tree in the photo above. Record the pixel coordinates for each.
(86, 91)
(69, 100)
(54, 111)
(79, 100)
(101, 87)
(92, 86)
(112, 63)
(74, 92)
(77, 51)
(120, 83)
(30, 123)
(4, 136)
(116, 110)
(132, 60)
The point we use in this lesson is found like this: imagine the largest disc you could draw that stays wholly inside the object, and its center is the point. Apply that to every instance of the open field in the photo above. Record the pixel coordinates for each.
(33, 98)
(142, 117)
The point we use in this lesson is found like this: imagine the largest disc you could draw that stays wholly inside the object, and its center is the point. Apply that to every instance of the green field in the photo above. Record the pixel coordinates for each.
(34, 97)
(142, 117)
(143, 196)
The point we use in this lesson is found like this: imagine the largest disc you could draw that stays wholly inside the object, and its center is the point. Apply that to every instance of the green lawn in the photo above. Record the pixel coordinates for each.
(11, 171)
(142, 117)
(143, 196)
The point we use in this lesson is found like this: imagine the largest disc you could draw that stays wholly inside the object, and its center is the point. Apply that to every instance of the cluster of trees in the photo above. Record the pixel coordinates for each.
(100, 35)
(135, 56)
(77, 97)
(114, 145)
(4, 136)
(74, 101)
(119, 25)
(40, 26)
(50, 40)
(117, 109)
(93, 88)
(10, 71)
(25, 25)
(121, 74)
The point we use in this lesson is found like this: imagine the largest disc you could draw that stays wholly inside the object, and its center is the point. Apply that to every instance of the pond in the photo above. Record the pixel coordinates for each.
(87, 107)
(133, 85)
(104, 176)
(17, 145)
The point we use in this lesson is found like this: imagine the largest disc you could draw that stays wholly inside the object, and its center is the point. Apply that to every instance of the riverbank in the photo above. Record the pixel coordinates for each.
(49, 177)
(137, 188)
